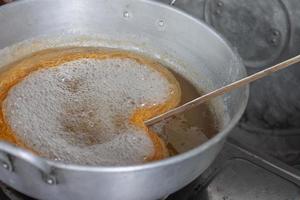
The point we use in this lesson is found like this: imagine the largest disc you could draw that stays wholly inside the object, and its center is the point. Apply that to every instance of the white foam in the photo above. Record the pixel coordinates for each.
(180, 133)
(77, 112)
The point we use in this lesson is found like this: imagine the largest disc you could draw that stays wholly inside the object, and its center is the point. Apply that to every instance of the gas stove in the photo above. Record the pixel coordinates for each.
(261, 158)
(239, 173)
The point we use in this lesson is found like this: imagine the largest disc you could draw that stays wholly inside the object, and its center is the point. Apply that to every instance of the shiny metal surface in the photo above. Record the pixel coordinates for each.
(240, 173)
(237, 173)
(250, 182)
(207, 59)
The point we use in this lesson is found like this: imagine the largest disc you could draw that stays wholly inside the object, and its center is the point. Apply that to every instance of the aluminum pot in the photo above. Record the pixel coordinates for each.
(207, 58)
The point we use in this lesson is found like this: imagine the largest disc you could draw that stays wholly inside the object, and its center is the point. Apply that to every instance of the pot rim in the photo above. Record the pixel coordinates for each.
(33, 159)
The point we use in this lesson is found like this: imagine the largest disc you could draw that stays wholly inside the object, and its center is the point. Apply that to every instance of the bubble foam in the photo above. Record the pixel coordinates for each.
(78, 112)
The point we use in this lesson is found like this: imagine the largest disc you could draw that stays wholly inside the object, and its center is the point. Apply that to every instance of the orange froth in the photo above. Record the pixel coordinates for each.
(18, 70)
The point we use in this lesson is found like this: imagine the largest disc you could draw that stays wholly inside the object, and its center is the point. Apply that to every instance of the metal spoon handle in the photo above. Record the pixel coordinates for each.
(225, 89)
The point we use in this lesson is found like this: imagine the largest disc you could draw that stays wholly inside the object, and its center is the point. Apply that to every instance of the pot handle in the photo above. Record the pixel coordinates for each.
(8, 153)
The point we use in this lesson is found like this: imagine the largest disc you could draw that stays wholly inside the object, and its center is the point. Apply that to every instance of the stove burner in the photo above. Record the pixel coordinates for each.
(258, 29)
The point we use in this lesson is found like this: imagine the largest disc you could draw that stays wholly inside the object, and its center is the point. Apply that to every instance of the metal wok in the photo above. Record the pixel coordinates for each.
(162, 31)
